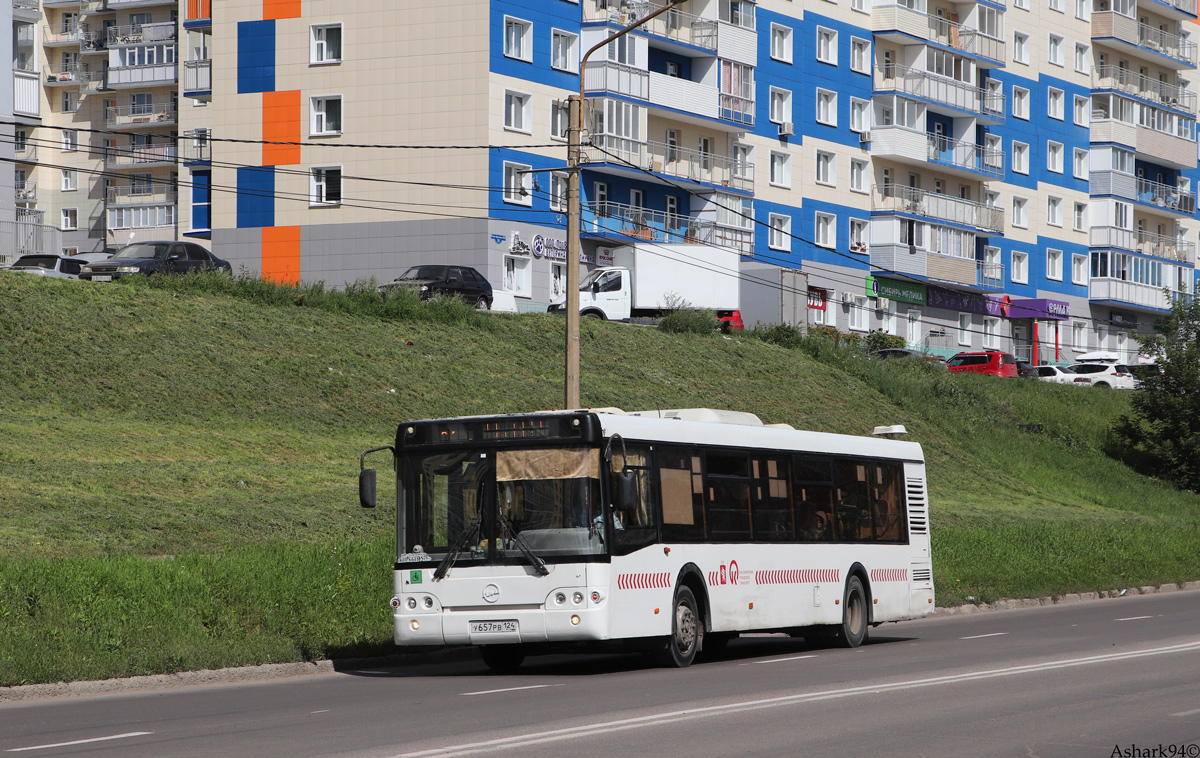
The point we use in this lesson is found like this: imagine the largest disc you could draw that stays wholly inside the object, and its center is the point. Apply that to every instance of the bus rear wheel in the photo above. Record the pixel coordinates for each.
(687, 632)
(502, 658)
(853, 630)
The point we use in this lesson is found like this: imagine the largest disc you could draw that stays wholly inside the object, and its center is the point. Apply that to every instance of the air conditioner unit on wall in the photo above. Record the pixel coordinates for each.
(864, 137)
(848, 298)
(882, 302)
(786, 129)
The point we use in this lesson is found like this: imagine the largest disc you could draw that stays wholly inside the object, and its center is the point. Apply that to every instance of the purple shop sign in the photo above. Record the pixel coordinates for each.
(969, 302)
(1041, 309)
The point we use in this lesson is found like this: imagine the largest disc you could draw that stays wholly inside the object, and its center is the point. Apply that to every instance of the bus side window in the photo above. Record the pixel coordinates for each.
(814, 499)
(682, 497)
(887, 503)
(727, 486)
(851, 511)
(641, 525)
(773, 517)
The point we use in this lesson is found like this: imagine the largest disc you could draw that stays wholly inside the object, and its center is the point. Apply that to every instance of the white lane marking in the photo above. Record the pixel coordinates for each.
(1135, 618)
(324, 711)
(1187, 713)
(778, 660)
(78, 742)
(981, 636)
(512, 689)
(689, 714)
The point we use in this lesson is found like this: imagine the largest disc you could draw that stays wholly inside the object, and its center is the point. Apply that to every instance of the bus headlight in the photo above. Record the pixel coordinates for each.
(412, 603)
(395, 603)
(560, 598)
(577, 598)
(415, 624)
(428, 602)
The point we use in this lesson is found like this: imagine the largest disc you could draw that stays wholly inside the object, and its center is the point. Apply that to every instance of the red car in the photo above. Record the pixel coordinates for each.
(990, 362)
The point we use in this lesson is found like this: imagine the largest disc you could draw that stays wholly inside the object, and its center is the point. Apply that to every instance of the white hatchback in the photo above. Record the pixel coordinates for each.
(1107, 376)
(1061, 375)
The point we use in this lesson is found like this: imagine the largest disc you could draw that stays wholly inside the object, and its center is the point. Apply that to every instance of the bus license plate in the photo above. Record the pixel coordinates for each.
(493, 627)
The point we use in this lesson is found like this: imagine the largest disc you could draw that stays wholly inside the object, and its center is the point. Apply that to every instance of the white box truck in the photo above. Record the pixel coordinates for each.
(643, 282)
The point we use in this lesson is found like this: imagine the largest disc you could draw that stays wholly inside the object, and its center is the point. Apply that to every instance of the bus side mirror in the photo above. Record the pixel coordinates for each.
(625, 492)
(366, 488)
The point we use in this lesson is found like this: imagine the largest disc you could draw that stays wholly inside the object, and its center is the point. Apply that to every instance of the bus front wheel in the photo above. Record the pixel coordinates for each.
(854, 614)
(502, 658)
(687, 632)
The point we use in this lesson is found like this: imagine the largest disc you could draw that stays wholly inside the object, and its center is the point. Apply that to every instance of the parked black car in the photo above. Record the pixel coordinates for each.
(455, 281)
(143, 258)
(1026, 370)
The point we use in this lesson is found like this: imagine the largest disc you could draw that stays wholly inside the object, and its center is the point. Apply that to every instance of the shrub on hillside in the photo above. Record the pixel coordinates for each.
(690, 321)
(879, 340)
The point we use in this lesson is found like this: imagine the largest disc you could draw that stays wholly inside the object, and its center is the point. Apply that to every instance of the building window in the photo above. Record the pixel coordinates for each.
(1020, 103)
(1081, 9)
(1020, 157)
(1082, 59)
(1020, 214)
(827, 46)
(781, 169)
(70, 180)
(858, 175)
(859, 115)
(558, 281)
(1020, 267)
(1054, 103)
(1079, 339)
(1054, 211)
(70, 140)
(70, 102)
(1020, 48)
(517, 111)
(518, 39)
(564, 51)
(326, 186)
(1055, 50)
(69, 219)
(991, 333)
(1080, 217)
(781, 43)
(1054, 265)
(1079, 269)
(858, 236)
(560, 119)
(558, 191)
(517, 184)
(326, 45)
(1080, 163)
(781, 105)
(326, 116)
(860, 6)
(1056, 5)
(826, 168)
(826, 235)
(826, 107)
(964, 329)
(1054, 157)
(859, 314)
(780, 235)
(1083, 110)
(860, 55)
(517, 275)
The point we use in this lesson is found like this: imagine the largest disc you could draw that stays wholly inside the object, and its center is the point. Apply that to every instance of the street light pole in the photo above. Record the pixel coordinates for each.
(574, 166)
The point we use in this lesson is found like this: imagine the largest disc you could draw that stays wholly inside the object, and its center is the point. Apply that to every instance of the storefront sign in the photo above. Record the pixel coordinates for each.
(968, 302)
(604, 256)
(553, 249)
(892, 289)
(817, 298)
(1123, 320)
(1041, 309)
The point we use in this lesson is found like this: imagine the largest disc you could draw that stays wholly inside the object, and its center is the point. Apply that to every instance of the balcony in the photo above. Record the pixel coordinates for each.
(194, 148)
(25, 153)
(1146, 243)
(669, 92)
(27, 94)
(25, 192)
(1140, 295)
(929, 265)
(941, 91)
(56, 36)
(623, 223)
(900, 23)
(1182, 9)
(114, 5)
(703, 169)
(145, 156)
(140, 34)
(946, 209)
(26, 10)
(915, 147)
(1167, 197)
(158, 74)
(1145, 41)
(674, 25)
(1132, 83)
(1166, 148)
(1106, 129)
(142, 116)
(62, 74)
(197, 78)
(152, 194)
(199, 14)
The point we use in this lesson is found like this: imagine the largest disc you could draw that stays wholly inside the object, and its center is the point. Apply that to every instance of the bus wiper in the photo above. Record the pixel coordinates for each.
(468, 535)
(538, 564)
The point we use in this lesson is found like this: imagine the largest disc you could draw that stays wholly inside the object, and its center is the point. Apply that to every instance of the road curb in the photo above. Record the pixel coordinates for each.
(1072, 597)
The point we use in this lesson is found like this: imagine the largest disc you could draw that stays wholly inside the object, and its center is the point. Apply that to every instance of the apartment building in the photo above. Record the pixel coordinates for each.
(962, 174)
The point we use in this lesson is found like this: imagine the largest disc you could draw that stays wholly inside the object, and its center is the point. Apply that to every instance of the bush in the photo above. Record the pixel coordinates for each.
(690, 321)
(878, 340)
(829, 333)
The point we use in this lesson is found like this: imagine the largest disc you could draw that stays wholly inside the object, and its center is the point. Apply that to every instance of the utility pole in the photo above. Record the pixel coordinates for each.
(574, 248)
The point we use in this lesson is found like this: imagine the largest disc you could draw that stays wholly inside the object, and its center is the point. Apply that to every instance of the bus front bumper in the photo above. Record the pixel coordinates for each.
(499, 626)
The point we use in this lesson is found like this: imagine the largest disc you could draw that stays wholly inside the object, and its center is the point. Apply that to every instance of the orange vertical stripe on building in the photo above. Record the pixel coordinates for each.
(281, 254)
(273, 9)
(281, 123)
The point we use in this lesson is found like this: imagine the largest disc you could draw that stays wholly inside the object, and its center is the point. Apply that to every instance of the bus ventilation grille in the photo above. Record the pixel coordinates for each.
(922, 575)
(918, 507)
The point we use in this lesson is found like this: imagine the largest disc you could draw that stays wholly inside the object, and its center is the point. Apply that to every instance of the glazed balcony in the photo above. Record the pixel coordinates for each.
(140, 34)
(158, 74)
(930, 265)
(1147, 42)
(26, 10)
(672, 92)
(946, 209)
(674, 25)
(1133, 83)
(671, 160)
(902, 23)
(621, 222)
(142, 116)
(146, 156)
(197, 77)
(940, 90)
(1146, 243)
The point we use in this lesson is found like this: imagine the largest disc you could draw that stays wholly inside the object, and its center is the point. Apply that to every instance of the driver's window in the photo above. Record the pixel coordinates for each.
(639, 527)
(454, 276)
(611, 282)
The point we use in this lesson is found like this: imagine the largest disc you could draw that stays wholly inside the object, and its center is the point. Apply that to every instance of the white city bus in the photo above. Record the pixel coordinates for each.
(668, 531)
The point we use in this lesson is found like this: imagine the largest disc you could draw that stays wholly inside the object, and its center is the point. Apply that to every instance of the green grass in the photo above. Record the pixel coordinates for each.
(177, 471)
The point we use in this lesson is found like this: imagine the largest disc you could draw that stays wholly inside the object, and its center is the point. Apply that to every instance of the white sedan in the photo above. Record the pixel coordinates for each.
(1061, 375)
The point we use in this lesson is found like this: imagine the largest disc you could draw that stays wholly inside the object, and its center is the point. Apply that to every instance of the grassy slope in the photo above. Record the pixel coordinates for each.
(141, 423)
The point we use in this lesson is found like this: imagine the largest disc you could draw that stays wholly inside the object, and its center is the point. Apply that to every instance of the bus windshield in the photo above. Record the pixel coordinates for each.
(487, 500)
